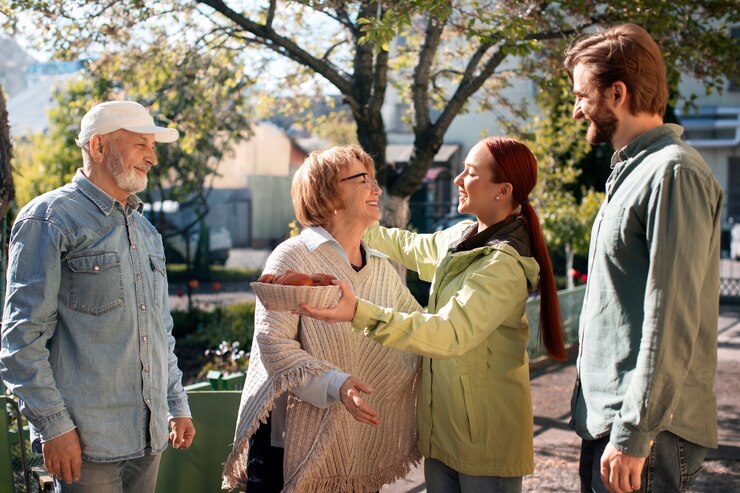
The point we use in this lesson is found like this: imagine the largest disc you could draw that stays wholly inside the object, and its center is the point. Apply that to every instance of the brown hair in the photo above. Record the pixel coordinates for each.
(315, 188)
(514, 163)
(628, 54)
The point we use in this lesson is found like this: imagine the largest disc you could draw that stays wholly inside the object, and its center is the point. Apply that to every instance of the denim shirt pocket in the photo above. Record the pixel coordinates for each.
(159, 274)
(95, 282)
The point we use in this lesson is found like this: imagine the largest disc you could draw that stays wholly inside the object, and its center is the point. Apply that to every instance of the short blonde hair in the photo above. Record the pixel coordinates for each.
(315, 188)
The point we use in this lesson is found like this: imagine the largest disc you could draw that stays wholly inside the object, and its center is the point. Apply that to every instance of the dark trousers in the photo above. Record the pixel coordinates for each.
(671, 467)
(264, 462)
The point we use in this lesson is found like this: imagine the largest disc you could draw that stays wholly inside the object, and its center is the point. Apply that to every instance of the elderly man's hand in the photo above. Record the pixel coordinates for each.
(182, 432)
(343, 311)
(63, 456)
(621, 473)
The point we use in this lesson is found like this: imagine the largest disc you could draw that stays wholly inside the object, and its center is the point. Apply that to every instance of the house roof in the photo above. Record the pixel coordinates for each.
(401, 153)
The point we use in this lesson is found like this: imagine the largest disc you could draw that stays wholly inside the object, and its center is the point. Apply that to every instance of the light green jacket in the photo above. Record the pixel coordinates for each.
(474, 404)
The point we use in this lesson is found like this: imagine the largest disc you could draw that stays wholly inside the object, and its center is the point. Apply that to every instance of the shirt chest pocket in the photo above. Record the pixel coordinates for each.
(611, 235)
(95, 282)
(160, 275)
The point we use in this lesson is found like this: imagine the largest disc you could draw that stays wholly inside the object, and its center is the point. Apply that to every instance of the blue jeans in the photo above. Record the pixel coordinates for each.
(441, 478)
(671, 467)
(126, 476)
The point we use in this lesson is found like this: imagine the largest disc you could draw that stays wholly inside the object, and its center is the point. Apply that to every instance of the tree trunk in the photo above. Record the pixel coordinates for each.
(395, 211)
(569, 282)
(7, 191)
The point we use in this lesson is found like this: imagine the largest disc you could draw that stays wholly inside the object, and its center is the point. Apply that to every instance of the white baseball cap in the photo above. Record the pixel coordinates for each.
(108, 117)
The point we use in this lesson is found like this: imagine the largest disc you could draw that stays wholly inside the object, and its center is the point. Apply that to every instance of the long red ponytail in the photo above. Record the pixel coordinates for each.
(514, 163)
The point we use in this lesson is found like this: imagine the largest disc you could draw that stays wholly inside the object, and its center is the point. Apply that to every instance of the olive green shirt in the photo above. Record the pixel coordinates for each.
(648, 328)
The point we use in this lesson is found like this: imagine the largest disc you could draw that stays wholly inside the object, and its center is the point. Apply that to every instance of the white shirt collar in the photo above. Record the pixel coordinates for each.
(316, 236)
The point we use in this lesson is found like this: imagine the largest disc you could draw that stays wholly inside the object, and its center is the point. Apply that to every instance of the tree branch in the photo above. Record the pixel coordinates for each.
(284, 46)
(270, 14)
(420, 84)
(469, 85)
(332, 48)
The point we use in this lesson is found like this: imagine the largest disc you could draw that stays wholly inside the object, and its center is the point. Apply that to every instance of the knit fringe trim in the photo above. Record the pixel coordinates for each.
(299, 482)
(235, 469)
(365, 484)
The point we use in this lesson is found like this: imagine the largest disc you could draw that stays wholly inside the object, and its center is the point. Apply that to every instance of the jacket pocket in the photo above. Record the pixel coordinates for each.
(159, 273)
(470, 408)
(95, 282)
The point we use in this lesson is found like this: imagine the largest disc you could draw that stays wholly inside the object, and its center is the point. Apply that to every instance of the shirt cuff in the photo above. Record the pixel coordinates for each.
(54, 426)
(630, 441)
(336, 380)
(178, 408)
(366, 316)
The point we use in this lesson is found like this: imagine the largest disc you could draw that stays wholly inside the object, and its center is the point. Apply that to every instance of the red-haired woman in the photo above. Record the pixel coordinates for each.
(474, 405)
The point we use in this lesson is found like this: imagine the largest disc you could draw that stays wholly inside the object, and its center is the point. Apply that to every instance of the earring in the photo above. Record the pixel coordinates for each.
(497, 197)
(335, 212)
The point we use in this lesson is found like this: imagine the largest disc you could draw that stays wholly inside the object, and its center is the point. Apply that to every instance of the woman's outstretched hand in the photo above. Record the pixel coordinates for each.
(343, 311)
(350, 393)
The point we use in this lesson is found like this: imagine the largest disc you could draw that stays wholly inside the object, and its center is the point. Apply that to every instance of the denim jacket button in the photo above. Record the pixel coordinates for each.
(96, 268)
(142, 306)
(146, 369)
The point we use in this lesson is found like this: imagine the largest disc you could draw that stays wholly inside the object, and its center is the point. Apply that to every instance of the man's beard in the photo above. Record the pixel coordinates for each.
(127, 180)
(603, 125)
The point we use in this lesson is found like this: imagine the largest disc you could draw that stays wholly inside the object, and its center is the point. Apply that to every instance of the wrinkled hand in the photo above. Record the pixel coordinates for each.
(63, 456)
(182, 432)
(343, 311)
(621, 473)
(350, 395)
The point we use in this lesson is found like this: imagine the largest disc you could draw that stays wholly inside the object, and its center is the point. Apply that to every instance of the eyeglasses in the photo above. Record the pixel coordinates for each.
(366, 180)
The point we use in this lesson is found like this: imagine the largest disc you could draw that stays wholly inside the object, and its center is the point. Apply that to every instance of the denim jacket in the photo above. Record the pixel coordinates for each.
(87, 331)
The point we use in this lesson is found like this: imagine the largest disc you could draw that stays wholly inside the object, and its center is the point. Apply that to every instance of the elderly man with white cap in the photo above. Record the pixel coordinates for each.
(87, 340)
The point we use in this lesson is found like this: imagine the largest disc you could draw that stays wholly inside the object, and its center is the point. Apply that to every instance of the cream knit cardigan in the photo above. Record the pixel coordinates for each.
(326, 450)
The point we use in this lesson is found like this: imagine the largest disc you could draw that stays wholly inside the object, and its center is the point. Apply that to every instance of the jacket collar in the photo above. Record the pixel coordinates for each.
(511, 231)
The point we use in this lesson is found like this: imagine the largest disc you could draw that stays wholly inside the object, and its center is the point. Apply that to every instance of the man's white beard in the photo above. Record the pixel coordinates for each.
(128, 180)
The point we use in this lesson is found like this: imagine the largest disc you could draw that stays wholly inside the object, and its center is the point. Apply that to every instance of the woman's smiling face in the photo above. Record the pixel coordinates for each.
(477, 191)
(360, 194)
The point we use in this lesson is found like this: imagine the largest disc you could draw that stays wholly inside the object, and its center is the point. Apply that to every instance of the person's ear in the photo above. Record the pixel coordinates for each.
(619, 94)
(506, 190)
(96, 148)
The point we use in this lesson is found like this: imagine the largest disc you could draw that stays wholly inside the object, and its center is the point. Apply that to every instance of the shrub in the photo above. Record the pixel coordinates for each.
(177, 273)
(198, 331)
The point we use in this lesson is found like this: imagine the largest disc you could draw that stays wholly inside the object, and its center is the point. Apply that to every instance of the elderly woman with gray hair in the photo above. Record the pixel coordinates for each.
(323, 408)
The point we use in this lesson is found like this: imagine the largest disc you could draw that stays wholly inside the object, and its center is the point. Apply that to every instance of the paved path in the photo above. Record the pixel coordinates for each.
(557, 447)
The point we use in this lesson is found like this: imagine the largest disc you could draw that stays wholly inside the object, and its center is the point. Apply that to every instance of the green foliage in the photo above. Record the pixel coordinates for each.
(178, 273)
(228, 357)
(443, 55)
(198, 331)
(47, 161)
(566, 209)
(201, 93)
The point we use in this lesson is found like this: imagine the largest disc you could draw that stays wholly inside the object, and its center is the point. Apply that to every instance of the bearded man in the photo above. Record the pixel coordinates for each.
(644, 401)
(87, 342)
